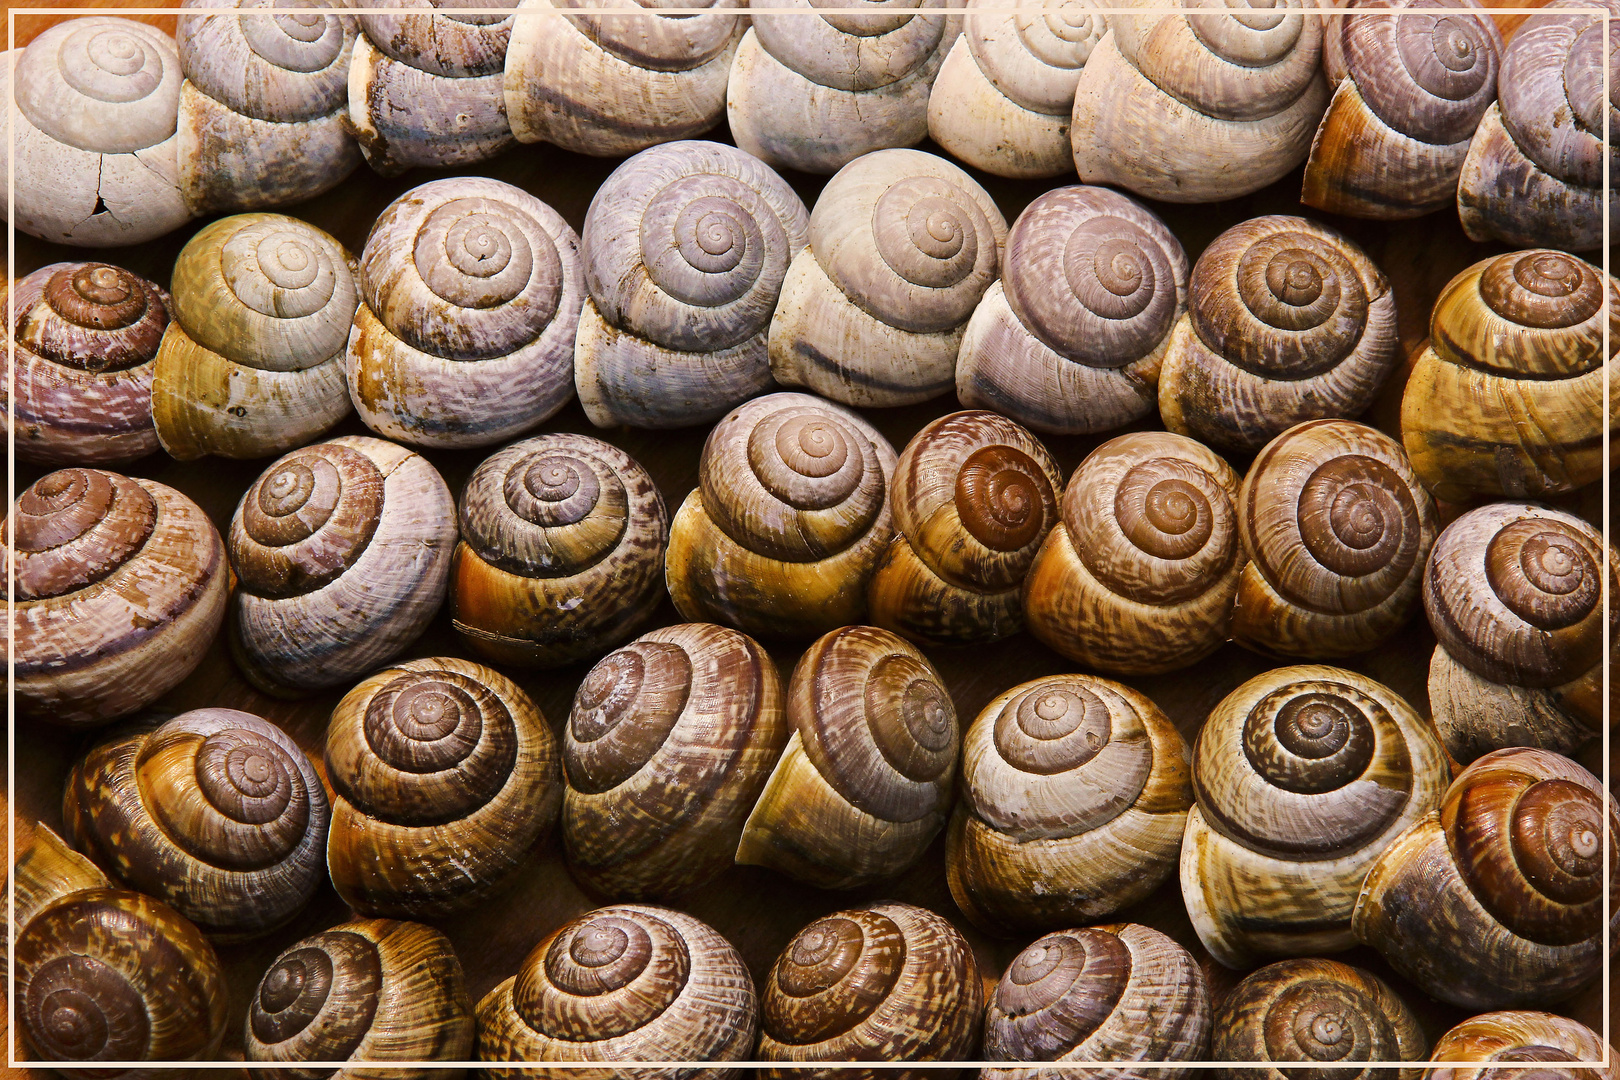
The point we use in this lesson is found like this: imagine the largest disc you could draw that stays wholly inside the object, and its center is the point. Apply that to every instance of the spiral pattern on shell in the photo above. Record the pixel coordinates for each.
(102, 85)
(1555, 63)
(1520, 1036)
(337, 974)
(75, 527)
(854, 52)
(1037, 64)
(1236, 65)
(90, 316)
(1429, 73)
(454, 41)
(283, 68)
(1526, 314)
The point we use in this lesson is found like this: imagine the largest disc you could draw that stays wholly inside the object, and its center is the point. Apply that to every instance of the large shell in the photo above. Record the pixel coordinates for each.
(472, 292)
(1303, 776)
(1071, 339)
(444, 778)
(43, 869)
(685, 249)
(1287, 321)
(1075, 796)
(342, 554)
(120, 586)
(1521, 1037)
(1139, 575)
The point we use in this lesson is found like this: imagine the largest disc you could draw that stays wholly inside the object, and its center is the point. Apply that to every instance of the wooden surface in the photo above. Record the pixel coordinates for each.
(755, 908)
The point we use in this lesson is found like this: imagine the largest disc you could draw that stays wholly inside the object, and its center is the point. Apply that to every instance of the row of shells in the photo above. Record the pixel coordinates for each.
(122, 136)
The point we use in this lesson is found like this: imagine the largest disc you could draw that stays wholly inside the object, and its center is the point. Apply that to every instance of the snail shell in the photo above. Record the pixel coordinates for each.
(1533, 176)
(974, 496)
(429, 89)
(610, 85)
(1138, 576)
(113, 975)
(1410, 92)
(1303, 776)
(889, 982)
(1075, 792)
(1315, 1010)
(903, 245)
(444, 777)
(119, 589)
(686, 246)
(865, 783)
(472, 295)
(1337, 530)
(670, 741)
(814, 92)
(342, 554)
(1520, 1037)
(252, 362)
(216, 811)
(85, 338)
(1070, 340)
(1106, 993)
(1287, 321)
(626, 983)
(261, 110)
(44, 868)
(1002, 99)
(1497, 900)
(563, 537)
(1199, 108)
(788, 522)
(368, 990)
(92, 149)
(1507, 399)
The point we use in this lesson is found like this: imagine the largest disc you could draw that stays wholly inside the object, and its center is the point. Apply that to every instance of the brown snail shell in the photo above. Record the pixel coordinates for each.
(368, 990)
(670, 741)
(1507, 399)
(1511, 1037)
(85, 337)
(342, 554)
(1117, 993)
(1139, 575)
(216, 811)
(1303, 775)
(1496, 899)
(1337, 530)
(625, 983)
(974, 496)
(1075, 792)
(120, 586)
(44, 868)
(444, 778)
(563, 537)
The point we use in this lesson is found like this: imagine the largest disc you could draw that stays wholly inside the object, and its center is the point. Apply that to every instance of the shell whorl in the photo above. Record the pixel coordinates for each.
(326, 985)
(91, 316)
(76, 527)
(102, 85)
(1034, 56)
(1527, 314)
(454, 41)
(281, 68)
(657, 41)
(1554, 67)
(854, 52)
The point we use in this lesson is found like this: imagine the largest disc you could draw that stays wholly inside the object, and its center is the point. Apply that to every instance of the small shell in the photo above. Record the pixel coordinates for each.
(1521, 1037)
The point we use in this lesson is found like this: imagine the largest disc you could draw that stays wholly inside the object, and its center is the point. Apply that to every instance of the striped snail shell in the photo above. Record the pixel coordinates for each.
(1533, 176)
(368, 990)
(685, 248)
(86, 335)
(472, 294)
(1512, 593)
(814, 92)
(1002, 99)
(563, 537)
(1082, 995)
(216, 811)
(1138, 576)
(1497, 900)
(261, 110)
(252, 362)
(1507, 399)
(1075, 792)
(1303, 776)
(1410, 91)
(626, 983)
(1287, 321)
(669, 743)
(789, 519)
(1337, 530)
(342, 554)
(93, 132)
(1070, 340)
(1315, 1010)
(1512, 1037)
(865, 783)
(444, 778)
(119, 589)
(428, 89)
(43, 869)
(974, 496)
(903, 245)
